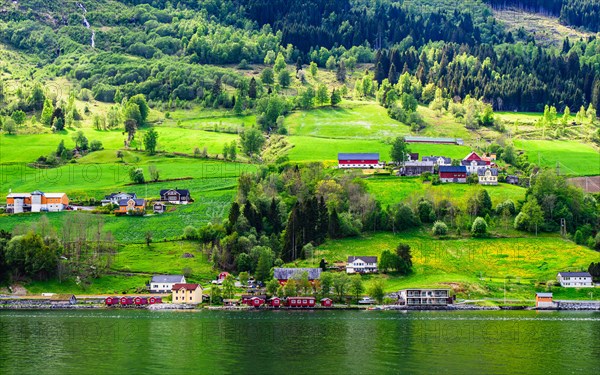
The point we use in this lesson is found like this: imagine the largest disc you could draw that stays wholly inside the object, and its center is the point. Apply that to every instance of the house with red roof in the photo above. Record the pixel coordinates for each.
(186, 293)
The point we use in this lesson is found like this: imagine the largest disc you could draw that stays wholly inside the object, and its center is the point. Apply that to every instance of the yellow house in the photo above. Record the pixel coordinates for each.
(186, 293)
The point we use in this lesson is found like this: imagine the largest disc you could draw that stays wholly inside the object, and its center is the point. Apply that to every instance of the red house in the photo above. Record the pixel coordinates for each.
(284, 274)
(326, 302)
(275, 302)
(140, 301)
(363, 161)
(126, 301)
(154, 300)
(453, 174)
(300, 302)
(110, 301)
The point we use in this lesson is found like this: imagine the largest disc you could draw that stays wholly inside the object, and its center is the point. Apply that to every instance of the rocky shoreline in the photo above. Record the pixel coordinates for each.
(23, 304)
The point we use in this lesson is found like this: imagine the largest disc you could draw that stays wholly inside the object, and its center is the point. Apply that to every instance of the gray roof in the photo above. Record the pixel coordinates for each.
(544, 295)
(138, 202)
(288, 273)
(107, 197)
(168, 279)
(435, 159)
(364, 259)
(342, 156)
(469, 162)
(481, 171)
(575, 274)
(430, 139)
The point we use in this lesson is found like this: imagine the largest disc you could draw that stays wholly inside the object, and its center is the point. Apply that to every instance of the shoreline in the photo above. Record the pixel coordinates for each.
(39, 305)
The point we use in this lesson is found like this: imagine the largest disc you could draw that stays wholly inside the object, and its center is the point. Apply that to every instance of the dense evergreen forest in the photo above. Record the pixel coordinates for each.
(457, 46)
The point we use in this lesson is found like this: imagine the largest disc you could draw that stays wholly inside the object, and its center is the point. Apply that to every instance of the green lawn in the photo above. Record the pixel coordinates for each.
(392, 190)
(574, 158)
(474, 267)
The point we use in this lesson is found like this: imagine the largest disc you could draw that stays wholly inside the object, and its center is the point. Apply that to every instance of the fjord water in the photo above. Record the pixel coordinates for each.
(299, 342)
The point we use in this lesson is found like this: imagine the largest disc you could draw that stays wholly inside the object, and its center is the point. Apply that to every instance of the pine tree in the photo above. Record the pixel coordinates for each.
(252, 90)
(341, 72)
(335, 97)
(323, 223)
(392, 75)
(334, 224)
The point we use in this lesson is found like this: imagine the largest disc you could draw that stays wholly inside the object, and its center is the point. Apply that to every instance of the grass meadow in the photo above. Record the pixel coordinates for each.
(573, 157)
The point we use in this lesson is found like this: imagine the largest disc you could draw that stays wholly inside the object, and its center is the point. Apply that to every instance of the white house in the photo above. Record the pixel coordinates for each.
(164, 283)
(575, 279)
(114, 198)
(425, 297)
(438, 160)
(361, 265)
(488, 176)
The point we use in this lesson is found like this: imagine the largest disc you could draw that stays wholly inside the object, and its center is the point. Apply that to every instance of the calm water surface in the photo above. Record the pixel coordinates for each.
(302, 342)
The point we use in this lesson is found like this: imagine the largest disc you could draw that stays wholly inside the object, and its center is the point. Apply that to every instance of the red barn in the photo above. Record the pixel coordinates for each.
(302, 302)
(363, 161)
(140, 300)
(275, 302)
(284, 274)
(154, 300)
(453, 174)
(110, 301)
(326, 302)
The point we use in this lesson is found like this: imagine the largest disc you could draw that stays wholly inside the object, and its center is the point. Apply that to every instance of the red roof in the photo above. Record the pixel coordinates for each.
(473, 156)
(185, 286)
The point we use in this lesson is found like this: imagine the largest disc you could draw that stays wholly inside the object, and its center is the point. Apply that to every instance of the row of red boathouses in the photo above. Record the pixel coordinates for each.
(131, 301)
(292, 302)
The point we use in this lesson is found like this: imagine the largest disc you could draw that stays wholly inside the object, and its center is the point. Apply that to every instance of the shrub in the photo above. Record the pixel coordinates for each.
(190, 233)
(440, 228)
(96, 145)
(479, 227)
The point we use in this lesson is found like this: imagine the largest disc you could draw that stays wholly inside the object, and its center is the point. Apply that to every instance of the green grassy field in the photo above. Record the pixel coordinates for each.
(473, 267)
(574, 158)
(392, 190)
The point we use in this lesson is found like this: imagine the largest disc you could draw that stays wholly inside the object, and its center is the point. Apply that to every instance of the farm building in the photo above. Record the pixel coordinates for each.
(326, 302)
(441, 141)
(363, 161)
(302, 302)
(131, 205)
(37, 201)
(513, 180)
(416, 168)
(438, 160)
(543, 300)
(425, 297)
(115, 198)
(456, 174)
(488, 176)
(158, 207)
(175, 196)
(473, 162)
(575, 279)
(284, 274)
(187, 293)
(164, 283)
(361, 264)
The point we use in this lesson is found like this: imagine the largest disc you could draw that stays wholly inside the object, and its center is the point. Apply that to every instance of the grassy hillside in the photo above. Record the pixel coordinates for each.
(574, 158)
(473, 267)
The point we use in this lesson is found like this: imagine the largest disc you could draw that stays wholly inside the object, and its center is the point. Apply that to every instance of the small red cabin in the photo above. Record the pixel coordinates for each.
(140, 300)
(110, 301)
(255, 302)
(275, 302)
(126, 301)
(326, 302)
(153, 300)
(305, 302)
(247, 297)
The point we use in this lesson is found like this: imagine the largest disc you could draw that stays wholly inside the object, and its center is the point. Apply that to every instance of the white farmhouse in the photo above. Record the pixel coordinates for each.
(164, 283)
(575, 279)
(361, 265)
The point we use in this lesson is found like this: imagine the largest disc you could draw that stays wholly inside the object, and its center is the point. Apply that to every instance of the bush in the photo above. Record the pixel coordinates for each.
(479, 227)
(440, 228)
(522, 221)
(96, 145)
(190, 233)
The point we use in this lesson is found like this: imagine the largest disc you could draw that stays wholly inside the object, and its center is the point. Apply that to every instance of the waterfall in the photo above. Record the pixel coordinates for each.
(87, 24)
